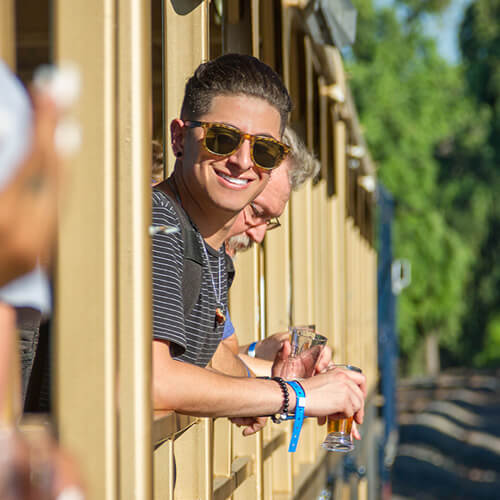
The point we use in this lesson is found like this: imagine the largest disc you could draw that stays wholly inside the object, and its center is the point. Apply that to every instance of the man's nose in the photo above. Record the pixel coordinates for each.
(257, 233)
(242, 156)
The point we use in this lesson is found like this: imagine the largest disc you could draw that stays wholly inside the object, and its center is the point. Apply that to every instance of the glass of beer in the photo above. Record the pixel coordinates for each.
(306, 348)
(339, 430)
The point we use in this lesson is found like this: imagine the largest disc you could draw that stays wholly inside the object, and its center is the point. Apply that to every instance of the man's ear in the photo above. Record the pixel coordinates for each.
(177, 135)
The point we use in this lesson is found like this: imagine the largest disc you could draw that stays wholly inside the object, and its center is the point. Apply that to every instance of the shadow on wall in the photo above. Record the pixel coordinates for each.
(449, 440)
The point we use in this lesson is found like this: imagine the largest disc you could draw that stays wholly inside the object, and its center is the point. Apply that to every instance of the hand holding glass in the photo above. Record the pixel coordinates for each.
(339, 430)
(306, 347)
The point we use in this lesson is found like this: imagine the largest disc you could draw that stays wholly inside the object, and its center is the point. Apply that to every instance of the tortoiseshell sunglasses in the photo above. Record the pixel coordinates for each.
(223, 140)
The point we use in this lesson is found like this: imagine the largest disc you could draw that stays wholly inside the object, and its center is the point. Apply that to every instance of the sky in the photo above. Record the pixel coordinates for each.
(444, 28)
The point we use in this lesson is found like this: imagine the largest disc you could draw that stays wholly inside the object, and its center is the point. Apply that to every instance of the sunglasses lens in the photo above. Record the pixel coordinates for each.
(267, 154)
(221, 140)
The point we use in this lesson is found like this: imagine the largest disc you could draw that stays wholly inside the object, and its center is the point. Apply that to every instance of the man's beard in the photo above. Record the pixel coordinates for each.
(239, 243)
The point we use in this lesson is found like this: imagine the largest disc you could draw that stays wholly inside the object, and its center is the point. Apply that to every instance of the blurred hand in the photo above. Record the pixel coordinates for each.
(28, 204)
(269, 347)
(301, 366)
(355, 431)
(251, 424)
(324, 360)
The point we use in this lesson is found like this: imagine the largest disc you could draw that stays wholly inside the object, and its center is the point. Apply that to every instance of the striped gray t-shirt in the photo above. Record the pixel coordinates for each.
(193, 339)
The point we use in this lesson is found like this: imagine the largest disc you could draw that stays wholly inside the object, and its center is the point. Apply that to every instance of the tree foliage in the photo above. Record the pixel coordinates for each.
(417, 118)
(480, 45)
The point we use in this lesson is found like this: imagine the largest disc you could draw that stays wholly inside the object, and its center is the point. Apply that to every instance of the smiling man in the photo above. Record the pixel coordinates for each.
(227, 141)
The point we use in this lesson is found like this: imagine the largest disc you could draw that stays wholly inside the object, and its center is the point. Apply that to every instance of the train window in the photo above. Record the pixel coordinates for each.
(217, 20)
(271, 46)
(157, 71)
(33, 36)
(317, 132)
(330, 152)
(297, 87)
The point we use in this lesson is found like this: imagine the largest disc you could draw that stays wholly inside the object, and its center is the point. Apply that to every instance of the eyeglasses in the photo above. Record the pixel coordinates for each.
(223, 140)
(271, 223)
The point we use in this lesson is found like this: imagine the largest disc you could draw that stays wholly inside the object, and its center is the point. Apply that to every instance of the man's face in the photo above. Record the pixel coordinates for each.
(251, 224)
(228, 183)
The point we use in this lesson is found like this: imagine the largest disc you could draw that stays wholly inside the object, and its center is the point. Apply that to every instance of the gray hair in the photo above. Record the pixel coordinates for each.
(303, 164)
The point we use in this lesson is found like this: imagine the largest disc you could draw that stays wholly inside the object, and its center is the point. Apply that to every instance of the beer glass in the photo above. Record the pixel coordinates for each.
(306, 348)
(339, 430)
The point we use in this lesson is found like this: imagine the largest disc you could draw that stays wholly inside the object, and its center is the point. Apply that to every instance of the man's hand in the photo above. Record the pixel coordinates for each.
(338, 392)
(269, 347)
(324, 361)
(251, 424)
(313, 360)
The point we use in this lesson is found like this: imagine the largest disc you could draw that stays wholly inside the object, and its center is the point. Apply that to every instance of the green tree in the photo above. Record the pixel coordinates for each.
(411, 104)
(480, 45)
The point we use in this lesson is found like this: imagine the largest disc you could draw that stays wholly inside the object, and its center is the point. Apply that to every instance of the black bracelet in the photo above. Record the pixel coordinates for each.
(281, 416)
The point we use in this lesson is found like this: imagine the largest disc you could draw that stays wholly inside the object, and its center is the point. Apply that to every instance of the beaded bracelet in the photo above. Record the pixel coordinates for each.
(279, 417)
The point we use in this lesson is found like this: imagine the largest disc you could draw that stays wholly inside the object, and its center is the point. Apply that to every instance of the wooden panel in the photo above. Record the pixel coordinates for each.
(255, 13)
(340, 236)
(246, 315)
(163, 485)
(85, 340)
(185, 47)
(193, 455)
(301, 248)
(134, 251)
(7, 33)
(244, 296)
(277, 262)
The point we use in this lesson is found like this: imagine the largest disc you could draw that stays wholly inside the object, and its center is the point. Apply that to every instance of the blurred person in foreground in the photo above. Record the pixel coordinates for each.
(29, 194)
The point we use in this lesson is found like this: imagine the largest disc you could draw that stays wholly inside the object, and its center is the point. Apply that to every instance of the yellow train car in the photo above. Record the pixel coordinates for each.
(320, 267)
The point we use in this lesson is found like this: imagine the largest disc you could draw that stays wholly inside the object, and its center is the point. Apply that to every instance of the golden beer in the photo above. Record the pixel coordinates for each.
(343, 425)
(339, 430)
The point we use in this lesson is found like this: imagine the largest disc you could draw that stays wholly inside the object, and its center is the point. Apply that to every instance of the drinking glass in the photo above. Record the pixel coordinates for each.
(339, 430)
(306, 348)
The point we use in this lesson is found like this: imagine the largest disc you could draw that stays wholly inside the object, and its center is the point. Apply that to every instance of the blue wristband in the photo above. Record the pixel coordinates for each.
(300, 405)
(251, 349)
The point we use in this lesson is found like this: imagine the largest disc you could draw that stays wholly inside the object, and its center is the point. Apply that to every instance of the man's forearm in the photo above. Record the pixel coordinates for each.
(225, 361)
(197, 391)
(261, 367)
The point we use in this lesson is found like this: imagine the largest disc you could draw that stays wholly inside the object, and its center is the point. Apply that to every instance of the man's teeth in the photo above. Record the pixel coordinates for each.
(233, 180)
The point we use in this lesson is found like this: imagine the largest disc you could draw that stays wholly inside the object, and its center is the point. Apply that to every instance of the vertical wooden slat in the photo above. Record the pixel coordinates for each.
(193, 456)
(185, 47)
(245, 313)
(86, 280)
(134, 253)
(340, 251)
(255, 13)
(7, 33)
(163, 484)
(266, 26)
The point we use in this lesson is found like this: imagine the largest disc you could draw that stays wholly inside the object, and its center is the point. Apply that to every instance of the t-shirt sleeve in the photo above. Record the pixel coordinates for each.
(228, 326)
(168, 260)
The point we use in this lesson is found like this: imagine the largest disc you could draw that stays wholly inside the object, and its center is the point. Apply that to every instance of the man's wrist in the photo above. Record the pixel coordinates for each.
(251, 349)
